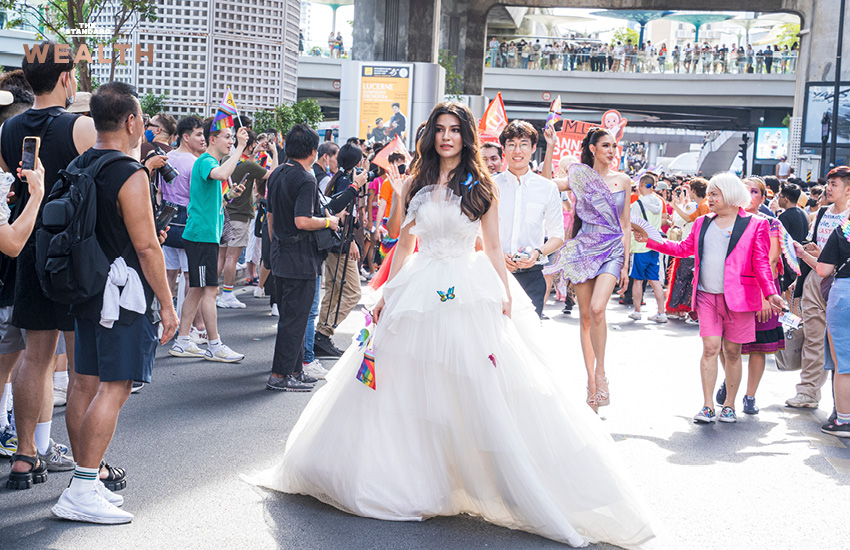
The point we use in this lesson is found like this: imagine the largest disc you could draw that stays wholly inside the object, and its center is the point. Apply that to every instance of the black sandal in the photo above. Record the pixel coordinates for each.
(117, 478)
(25, 480)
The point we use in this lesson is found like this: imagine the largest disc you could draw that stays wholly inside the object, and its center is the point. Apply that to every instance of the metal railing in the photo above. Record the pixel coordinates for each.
(702, 63)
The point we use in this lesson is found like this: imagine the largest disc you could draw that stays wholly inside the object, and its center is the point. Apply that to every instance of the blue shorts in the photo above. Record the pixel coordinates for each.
(123, 352)
(645, 266)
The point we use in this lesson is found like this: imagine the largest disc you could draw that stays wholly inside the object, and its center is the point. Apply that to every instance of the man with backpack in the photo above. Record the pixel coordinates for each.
(63, 137)
(646, 263)
(116, 329)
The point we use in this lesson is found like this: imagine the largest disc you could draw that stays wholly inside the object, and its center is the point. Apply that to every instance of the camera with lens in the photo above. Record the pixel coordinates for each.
(167, 172)
(370, 175)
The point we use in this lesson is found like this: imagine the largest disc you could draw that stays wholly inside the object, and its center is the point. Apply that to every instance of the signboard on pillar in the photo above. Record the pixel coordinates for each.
(385, 92)
(819, 101)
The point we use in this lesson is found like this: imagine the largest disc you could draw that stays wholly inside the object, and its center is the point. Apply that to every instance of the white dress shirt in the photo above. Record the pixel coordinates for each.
(529, 211)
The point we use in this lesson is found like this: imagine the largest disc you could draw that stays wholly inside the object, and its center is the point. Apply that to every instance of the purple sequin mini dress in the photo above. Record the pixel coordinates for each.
(598, 246)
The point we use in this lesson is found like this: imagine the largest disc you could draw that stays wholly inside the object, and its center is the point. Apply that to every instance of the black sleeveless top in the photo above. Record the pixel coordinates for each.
(56, 153)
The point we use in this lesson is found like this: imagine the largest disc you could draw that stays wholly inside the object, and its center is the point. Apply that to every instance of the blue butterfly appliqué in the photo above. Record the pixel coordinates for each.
(448, 295)
(469, 183)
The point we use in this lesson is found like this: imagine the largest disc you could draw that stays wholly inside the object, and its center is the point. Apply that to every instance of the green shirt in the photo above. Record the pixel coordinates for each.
(206, 212)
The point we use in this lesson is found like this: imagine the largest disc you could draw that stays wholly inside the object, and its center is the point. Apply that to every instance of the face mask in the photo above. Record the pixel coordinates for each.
(149, 135)
(69, 101)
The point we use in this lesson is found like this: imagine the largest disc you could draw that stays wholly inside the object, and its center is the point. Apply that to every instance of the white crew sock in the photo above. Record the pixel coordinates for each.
(83, 480)
(60, 379)
(214, 345)
(42, 437)
(183, 341)
(4, 405)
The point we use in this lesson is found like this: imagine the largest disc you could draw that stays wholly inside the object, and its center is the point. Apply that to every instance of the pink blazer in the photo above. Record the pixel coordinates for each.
(747, 276)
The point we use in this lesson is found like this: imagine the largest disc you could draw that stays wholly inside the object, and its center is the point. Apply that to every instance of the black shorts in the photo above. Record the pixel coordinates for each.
(33, 310)
(203, 263)
(123, 352)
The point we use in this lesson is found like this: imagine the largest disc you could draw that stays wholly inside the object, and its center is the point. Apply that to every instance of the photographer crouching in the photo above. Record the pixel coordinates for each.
(342, 277)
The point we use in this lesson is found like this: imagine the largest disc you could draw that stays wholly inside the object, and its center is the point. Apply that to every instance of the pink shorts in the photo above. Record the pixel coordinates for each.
(715, 319)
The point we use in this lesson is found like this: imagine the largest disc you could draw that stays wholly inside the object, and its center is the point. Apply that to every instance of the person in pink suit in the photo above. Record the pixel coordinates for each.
(732, 280)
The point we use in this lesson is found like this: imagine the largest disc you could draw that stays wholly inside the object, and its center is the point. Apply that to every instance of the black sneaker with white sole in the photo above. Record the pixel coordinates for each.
(323, 346)
(287, 383)
(838, 430)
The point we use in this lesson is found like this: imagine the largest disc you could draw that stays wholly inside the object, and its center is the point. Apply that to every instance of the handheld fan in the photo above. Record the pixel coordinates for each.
(787, 245)
(640, 225)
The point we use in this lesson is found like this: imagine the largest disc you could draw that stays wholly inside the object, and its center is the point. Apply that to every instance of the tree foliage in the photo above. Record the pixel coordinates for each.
(624, 34)
(285, 115)
(788, 34)
(454, 81)
(75, 22)
(153, 103)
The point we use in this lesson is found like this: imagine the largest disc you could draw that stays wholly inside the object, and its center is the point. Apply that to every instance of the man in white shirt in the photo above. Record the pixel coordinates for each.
(783, 169)
(812, 375)
(529, 212)
(646, 263)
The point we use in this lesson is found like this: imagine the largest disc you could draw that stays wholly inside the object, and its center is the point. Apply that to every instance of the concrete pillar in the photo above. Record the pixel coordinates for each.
(652, 155)
(423, 31)
(474, 51)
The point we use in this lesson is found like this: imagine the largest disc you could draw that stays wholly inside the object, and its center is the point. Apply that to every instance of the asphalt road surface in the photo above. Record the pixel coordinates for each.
(771, 481)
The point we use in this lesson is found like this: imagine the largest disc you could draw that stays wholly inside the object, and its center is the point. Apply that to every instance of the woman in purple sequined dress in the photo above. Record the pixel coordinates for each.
(596, 258)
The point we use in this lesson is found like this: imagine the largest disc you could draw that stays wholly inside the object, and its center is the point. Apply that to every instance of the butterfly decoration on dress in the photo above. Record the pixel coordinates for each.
(492, 358)
(469, 183)
(364, 338)
(366, 374)
(787, 245)
(447, 295)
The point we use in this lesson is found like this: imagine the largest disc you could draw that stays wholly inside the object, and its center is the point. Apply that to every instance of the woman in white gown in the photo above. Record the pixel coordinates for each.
(460, 412)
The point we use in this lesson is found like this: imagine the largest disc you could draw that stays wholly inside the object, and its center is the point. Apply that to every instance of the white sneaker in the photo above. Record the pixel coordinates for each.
(658, 317)
(275, 312)
(191, 350)
(223, 355)
(90, 507)
(636, 315)
(315, 369)
(112, 498)
(198, 337)
(228, 301)
(60, 394)
(259, 292)
(241, 267)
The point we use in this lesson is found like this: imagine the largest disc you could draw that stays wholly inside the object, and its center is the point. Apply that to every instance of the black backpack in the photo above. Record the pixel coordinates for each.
(72, 267)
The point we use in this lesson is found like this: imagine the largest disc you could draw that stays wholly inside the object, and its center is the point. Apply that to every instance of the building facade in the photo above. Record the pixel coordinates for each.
(201, 47)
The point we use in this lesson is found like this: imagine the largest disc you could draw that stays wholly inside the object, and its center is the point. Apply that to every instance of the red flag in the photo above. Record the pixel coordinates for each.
(495, 118)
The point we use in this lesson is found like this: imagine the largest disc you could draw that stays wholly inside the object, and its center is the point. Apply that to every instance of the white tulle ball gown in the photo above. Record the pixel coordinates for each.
(467, 416)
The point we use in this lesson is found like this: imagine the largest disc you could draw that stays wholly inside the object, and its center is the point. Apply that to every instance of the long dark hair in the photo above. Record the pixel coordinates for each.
(425, 170)
(591, 138)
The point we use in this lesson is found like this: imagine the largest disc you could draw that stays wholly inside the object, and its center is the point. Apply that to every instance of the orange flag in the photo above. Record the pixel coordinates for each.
(495, 118)
(395, 146)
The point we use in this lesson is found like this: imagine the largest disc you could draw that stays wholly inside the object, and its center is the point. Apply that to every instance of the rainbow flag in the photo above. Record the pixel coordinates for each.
(263, 159)
(225, 187)
(366, 374)
(386, 246)
(554, 112)
(226, 111)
